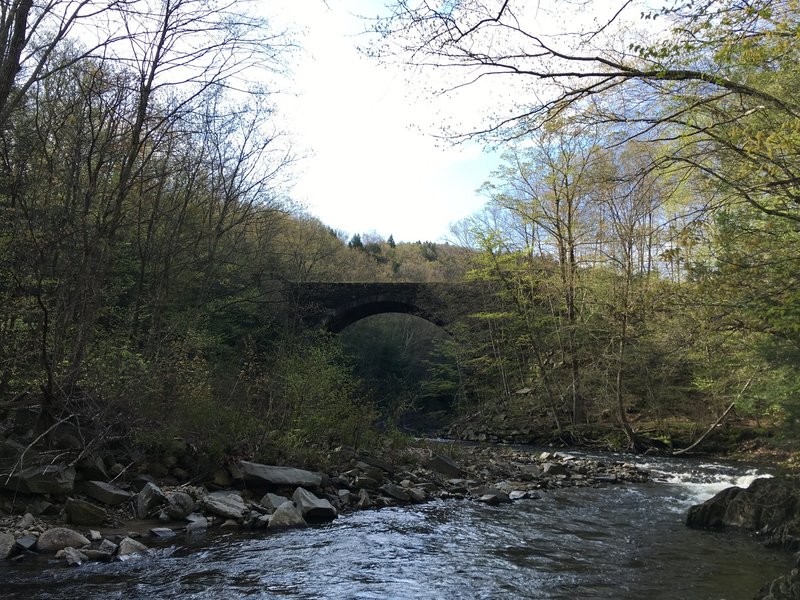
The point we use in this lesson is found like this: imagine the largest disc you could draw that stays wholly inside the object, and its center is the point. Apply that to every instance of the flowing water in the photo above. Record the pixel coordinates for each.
(617, 542)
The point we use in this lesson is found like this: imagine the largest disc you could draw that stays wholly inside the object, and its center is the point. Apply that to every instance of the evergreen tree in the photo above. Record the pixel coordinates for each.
(355, 242)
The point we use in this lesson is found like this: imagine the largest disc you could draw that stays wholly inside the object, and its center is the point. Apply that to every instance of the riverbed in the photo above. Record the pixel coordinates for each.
(621, 541)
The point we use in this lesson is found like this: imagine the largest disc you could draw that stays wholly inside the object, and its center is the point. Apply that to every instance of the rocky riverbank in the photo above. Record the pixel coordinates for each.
(769, 508)
(70, 512)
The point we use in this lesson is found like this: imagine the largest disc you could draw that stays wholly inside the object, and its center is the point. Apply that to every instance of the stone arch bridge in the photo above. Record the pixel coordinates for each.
(334, 306)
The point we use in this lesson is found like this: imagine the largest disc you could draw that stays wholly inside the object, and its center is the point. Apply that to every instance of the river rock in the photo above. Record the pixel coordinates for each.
(279, 476)
(376, 462)
(141, 480)
(313, 508)
(197, 524)
(25, 522)
(552, 469)
(228, 505)
(368, 470)
(770, 506)
(81, 512)
(786, 587)
(148, 500)
(162, 532)
(130, 546)
(180, 505)
(364, 500)
(272, 501)
(7, 545)
(417, 494)
(365, 482)
(106, 493)
(73, 557)
(97, 554)
(286, 515)
(58, 480)
(445, 465)
(495, 497)
(27, 542)
(92, 468)
(396, 492)
(57, 538)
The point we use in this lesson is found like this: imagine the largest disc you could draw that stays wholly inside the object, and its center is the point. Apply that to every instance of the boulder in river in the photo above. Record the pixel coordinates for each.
(286, 515)
(364, 501)
(278, 476)
(58, 538)
(180, 505)
(228, 505)
(272, 501)
(770, 506)
(495, 497)
(73, 557)
(313, 508)
(7, 545)
(417, 494)
(197, 525)
(130, 546)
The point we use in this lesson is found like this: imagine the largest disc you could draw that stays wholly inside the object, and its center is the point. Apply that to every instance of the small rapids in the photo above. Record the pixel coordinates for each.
(620, 542)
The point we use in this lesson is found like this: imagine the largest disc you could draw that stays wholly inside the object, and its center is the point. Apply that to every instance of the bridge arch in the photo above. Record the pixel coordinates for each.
(334, 306)
(367, 307)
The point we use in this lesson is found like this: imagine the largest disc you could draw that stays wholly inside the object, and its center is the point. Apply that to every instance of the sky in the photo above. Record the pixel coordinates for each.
(369, 159)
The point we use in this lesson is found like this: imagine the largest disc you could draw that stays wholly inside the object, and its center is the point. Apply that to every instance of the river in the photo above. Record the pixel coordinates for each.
(617, 542)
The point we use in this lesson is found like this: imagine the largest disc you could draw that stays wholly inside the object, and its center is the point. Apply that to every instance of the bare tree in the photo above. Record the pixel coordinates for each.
(717, 80)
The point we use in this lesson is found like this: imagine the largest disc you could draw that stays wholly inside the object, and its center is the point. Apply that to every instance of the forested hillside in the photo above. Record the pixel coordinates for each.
(638, 245)
(644, 223)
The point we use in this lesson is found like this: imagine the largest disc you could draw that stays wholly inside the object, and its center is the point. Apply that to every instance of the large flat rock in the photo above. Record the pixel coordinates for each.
(42, 479)
(106, 493)
(228, 505)
(279, 476)
(85, 513)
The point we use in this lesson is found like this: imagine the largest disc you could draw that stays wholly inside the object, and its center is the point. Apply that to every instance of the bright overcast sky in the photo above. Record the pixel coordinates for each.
(370, 162)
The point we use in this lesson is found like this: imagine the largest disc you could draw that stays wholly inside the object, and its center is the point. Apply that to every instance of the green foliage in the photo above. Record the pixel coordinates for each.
(319, 405)
(355, 242)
